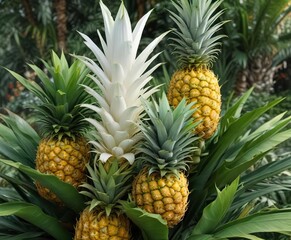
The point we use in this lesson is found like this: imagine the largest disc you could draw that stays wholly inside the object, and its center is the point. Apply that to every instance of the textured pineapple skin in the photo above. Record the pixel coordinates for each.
(94, 226)
(198, 85)
(65, 159)
(167, 196)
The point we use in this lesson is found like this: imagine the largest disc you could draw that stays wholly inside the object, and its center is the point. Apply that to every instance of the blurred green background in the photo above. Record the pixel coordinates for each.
(256, 51)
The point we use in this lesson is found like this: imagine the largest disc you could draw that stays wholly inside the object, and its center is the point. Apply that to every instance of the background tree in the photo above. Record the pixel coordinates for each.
(31, 29)
(255, 40)
(61, 14)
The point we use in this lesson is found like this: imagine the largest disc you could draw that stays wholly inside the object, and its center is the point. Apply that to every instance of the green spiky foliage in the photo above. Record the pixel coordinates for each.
(223, 184)
(61, 94)
(24, 214)
(18, 139)
(168, 136)
(195, 43)
(103, 218)
(108, 184)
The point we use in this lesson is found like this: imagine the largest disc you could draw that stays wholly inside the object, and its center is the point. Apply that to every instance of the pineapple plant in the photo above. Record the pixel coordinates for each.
(63, 150)
(102, 219)
(196, 47)
(161, 187)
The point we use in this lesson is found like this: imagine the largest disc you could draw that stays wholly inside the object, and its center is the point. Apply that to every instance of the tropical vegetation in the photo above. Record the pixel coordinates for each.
(119, 141)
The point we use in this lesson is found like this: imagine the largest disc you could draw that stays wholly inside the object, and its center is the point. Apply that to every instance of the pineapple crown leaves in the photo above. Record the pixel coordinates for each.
(195, 42)
(122, 76)
(169, 137)
(61, 95)
(110, 182)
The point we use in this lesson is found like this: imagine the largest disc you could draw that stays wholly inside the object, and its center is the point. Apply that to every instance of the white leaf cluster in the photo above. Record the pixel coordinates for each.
(122, 76)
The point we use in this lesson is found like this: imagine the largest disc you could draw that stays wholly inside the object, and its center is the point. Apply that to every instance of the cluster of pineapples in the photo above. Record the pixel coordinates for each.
(127, 126)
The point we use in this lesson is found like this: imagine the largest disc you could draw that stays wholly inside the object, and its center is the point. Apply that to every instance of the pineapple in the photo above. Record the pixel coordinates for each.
(161, 187)
(121, 77)
(63, 150)
(102, 219)
(195, 47)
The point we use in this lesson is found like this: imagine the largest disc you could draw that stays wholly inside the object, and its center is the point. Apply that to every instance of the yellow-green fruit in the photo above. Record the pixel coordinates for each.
(97, 226)
(167, 196)
(201, 86)
(65, 159)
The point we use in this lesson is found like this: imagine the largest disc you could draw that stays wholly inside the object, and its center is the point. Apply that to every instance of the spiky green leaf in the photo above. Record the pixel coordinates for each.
(37, 217)
(66, 192)
(214, 213)
(152, 226)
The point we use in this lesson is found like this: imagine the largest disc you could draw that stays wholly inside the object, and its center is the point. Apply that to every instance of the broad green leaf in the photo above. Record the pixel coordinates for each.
(6, 134)
(246, 146)
(234, 131)
(266, 171)
(8, 194)
(37, 217)
(214, 213)
(8, 151)
(31, 86)
(264, 142)
(266, 126)
(22, 236)
(45, 80)
(152, 226)
(249, 154)
(211, 237)
(19, 138)
(267, 221)
(21, 185)
(202, 237)
(225, 174)
(234, 111)
(66, 192)
(215, 159)
(257, 191)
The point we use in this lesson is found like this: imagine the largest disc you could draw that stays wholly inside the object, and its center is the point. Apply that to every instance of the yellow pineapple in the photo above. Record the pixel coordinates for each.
(65, 158)
(102, 219)
(92, 225)
(195, 46)
(162, 186)
(63, 150)
(167, 196)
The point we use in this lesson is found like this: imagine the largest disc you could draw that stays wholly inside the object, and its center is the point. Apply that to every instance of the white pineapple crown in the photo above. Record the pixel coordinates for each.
(122, 77)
